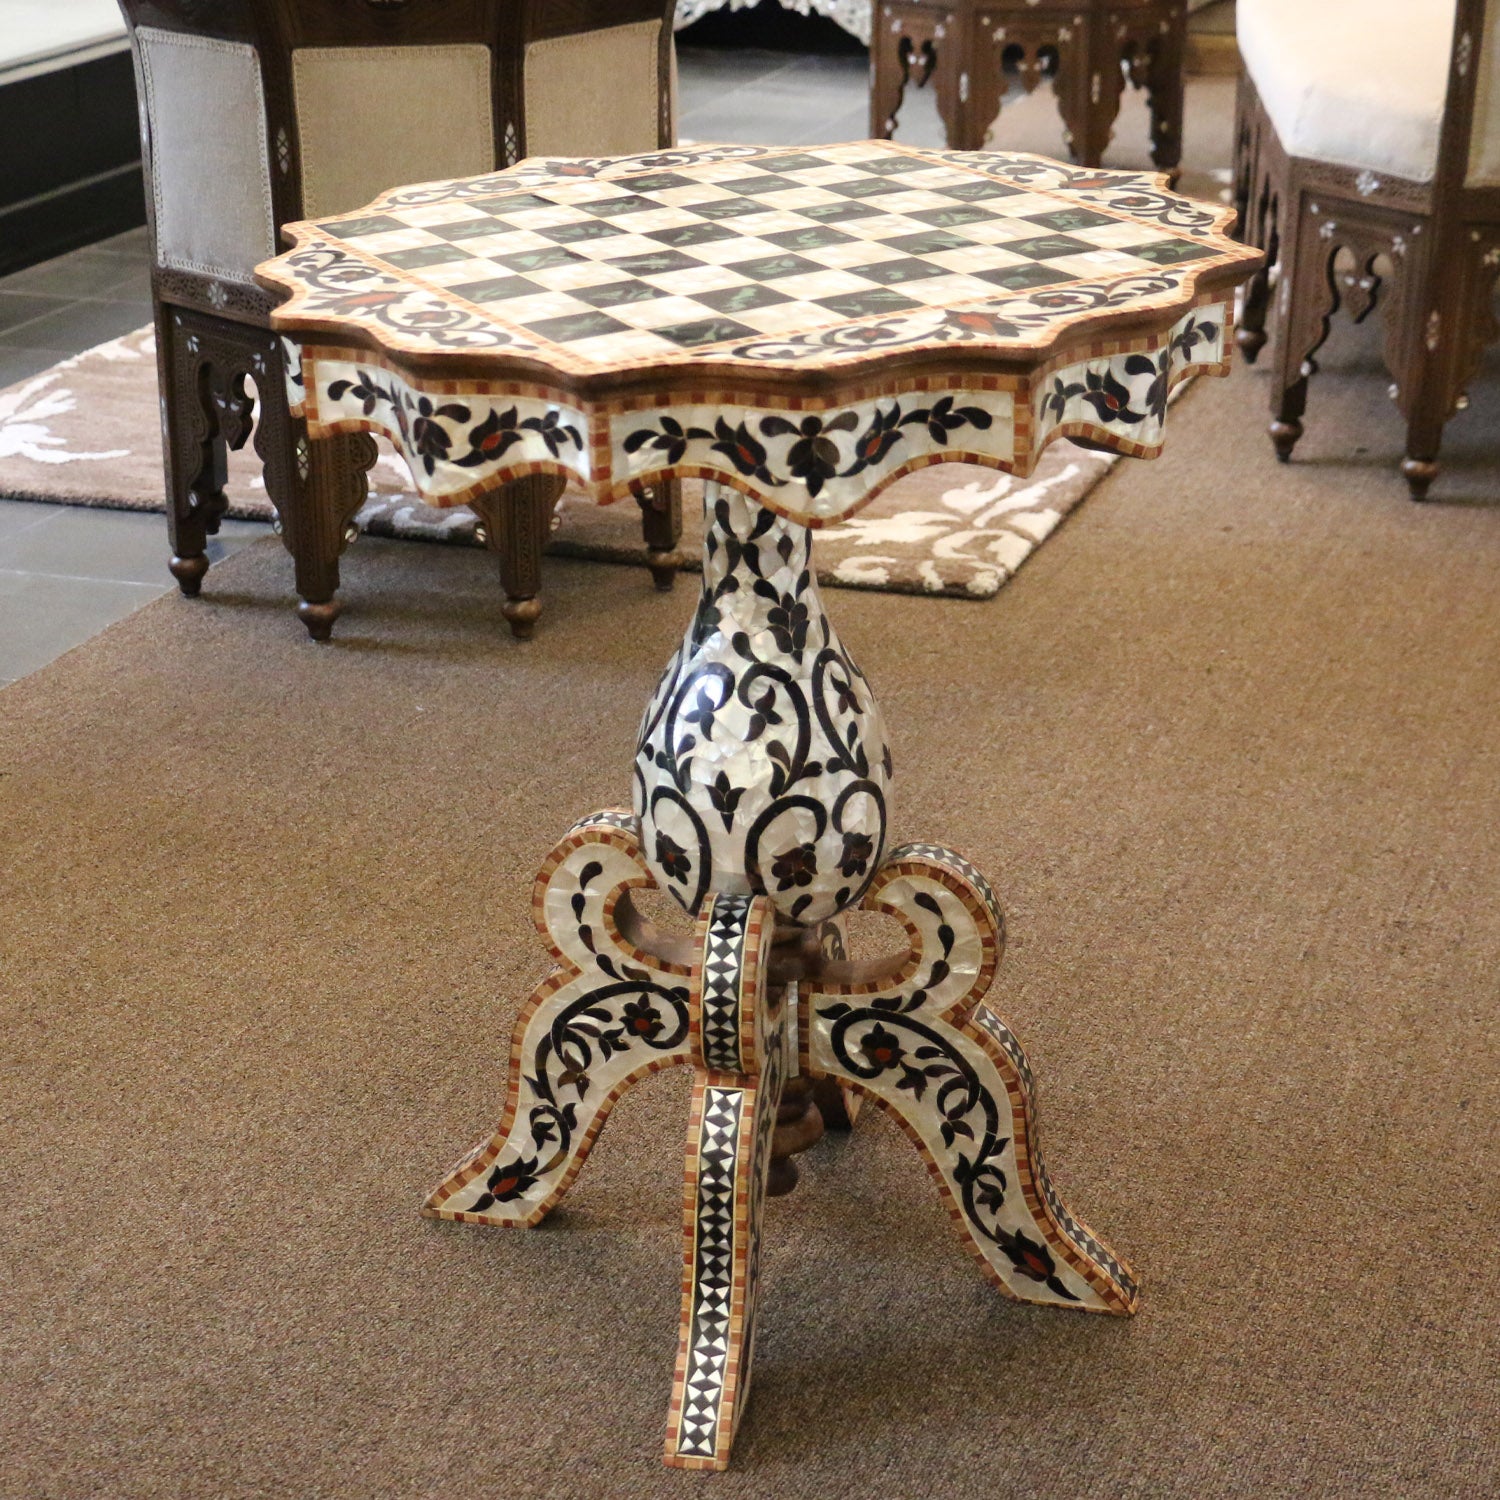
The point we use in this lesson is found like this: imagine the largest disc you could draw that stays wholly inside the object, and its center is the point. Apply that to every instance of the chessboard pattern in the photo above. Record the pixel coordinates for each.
(750, 255)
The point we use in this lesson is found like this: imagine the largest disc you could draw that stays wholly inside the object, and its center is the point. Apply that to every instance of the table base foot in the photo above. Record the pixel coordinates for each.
(740, 1059)
(319, 618)
(910, 1031)
(914, 1035)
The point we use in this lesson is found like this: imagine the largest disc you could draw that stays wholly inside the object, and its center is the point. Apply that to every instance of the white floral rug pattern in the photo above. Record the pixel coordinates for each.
(86, 432)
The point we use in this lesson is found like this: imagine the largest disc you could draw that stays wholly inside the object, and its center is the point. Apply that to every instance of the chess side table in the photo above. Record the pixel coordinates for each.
(797, 328)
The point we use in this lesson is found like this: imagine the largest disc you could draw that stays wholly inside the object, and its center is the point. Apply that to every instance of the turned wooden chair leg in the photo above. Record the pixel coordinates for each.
(1088, 86)
(661, 526)
(1305, 302)
(1424, 438)
(193, 449)
(517, 521)
(1164, 97)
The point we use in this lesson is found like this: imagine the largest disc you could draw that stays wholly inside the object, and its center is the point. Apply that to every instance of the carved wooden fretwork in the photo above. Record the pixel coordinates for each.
(971, 51)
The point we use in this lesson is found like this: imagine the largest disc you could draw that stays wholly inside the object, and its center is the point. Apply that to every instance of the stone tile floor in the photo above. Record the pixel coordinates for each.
(67, 573)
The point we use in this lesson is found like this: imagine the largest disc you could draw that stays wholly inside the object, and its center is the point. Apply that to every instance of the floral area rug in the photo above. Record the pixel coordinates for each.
(86, 432)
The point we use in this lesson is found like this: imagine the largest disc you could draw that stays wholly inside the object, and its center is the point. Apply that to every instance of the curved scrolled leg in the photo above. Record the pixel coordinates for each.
(740, 1058)
(615, 1009)
(914, 1034)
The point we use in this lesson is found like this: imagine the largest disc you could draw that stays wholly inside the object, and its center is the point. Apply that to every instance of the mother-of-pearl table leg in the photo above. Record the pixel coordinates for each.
(762, 803)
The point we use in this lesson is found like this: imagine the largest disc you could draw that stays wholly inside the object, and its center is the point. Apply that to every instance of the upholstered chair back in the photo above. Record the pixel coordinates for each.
(1480, 23)
(257, 112)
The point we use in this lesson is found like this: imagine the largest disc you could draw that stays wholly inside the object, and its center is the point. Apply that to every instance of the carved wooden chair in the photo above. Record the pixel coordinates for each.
(257, 112)
(1368, 167)
(969, 50)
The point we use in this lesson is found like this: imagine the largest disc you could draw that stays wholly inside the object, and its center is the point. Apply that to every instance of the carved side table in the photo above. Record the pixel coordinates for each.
(798, 328)
(1088, 48)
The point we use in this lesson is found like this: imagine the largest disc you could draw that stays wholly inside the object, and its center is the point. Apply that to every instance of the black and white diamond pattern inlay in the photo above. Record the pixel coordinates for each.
(723, 967)
(713, 1273)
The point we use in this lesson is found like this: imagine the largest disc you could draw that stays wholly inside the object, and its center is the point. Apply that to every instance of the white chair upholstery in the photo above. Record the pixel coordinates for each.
(1357, 83)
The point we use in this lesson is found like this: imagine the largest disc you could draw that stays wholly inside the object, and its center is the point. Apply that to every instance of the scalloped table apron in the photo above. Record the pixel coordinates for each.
(798, 328)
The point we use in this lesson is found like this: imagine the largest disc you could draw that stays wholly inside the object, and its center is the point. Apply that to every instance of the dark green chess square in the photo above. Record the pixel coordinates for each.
(469, 229)
(879, 299)
(719, 208)
(538, 260)
(739, 299)
(930, 243)
(584, 229)
(690, 234)
(836, 213)
(613, 208)
(354, 229)
(1164, 252)
(814, 237)
(705, 331)
(618, 293)
(893, 272)
(654, 263)
(652, 182)
(860, 187)
(1046, 246)
(773, 267)
(891, 166)
(510, 203)
(496, 289)
(571, 327)
(1069, 218)
(978, 192)
(759, 185)
(1018, 278)
(424, 255)
(950, 218)
(790, 161)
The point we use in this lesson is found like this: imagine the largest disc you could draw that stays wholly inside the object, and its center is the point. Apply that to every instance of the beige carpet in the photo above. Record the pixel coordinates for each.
(1228, 749)
(88, 432)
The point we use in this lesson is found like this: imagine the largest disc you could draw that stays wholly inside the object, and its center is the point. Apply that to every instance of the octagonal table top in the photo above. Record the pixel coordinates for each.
(759, 280)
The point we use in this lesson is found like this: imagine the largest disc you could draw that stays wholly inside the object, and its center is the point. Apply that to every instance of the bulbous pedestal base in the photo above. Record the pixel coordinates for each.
(762, 765)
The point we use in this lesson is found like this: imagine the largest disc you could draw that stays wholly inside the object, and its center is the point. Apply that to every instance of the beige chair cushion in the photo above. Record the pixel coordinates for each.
(210, 177)
(371, 118)
(1359, 83)
(595, 94)
(1484, 140)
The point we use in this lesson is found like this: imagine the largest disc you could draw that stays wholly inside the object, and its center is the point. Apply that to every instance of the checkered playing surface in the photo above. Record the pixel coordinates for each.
(633, 266)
